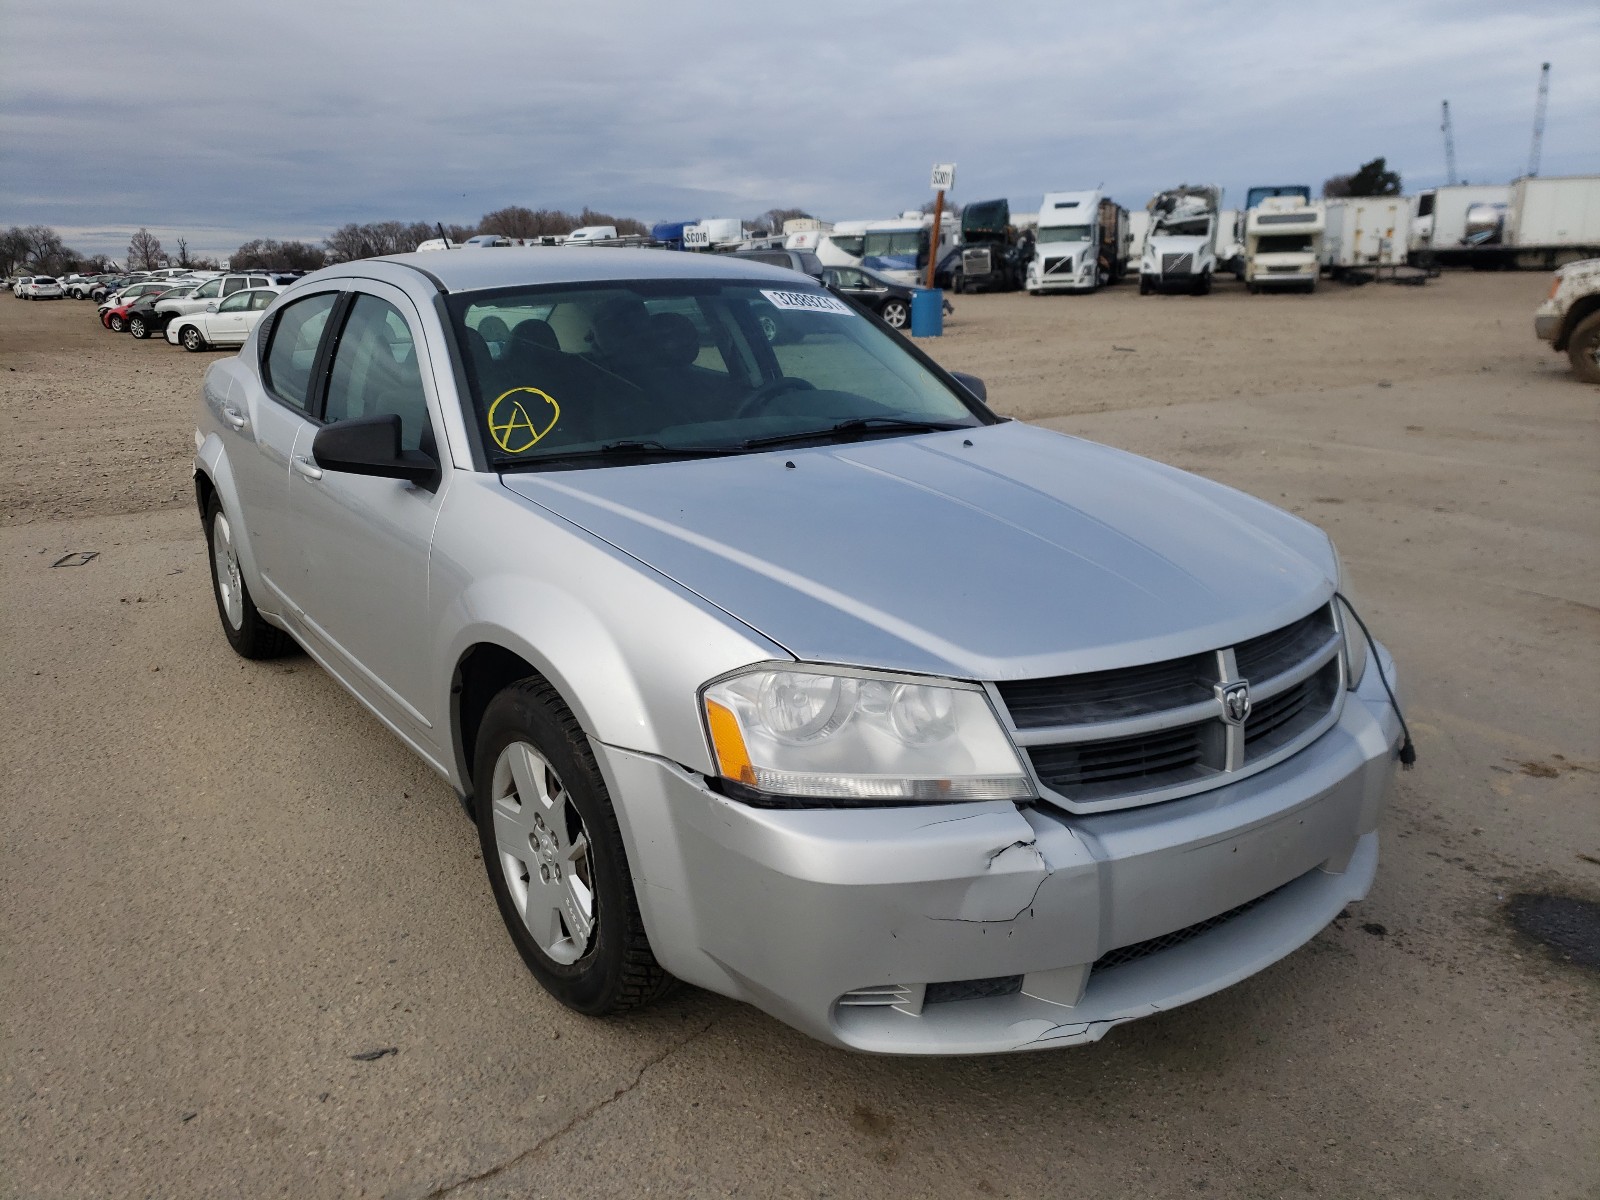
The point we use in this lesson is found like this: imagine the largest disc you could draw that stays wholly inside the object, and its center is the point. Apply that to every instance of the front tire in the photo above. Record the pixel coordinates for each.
(958, 282)
(1202, 285)
(895, 314)
(192, 340)
(1583, 349)
(115, 323)
(247, 630)
(555, 858)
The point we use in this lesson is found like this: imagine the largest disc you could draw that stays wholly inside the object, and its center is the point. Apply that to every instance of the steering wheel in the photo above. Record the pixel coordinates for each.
(770, 391)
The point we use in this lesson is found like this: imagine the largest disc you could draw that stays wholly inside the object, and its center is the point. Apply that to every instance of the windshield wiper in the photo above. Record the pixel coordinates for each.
(858, 425)
(623, 450)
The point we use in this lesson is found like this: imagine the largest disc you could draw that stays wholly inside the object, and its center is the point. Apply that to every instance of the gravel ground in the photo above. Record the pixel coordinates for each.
(224, 880)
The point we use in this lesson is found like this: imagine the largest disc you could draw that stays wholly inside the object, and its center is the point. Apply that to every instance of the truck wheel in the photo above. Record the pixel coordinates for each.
(1583, 349)
(1202, 286)
(1253, 288)
(958, 282)
(1144, 286)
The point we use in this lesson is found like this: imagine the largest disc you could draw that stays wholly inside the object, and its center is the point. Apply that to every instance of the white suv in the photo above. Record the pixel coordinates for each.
(211, 292)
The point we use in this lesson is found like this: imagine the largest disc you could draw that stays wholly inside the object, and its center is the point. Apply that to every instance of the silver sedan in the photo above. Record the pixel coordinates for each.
(766, 657)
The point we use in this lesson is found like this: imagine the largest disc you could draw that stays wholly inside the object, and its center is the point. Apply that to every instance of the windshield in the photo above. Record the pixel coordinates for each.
(690, 365)
(1283, 243)
(1064, 233)
(891, 245)
(1257, 194)
(1191, 227)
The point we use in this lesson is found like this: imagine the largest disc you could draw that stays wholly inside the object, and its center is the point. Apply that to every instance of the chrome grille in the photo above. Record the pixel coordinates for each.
(1108, 739)
(1177, 264)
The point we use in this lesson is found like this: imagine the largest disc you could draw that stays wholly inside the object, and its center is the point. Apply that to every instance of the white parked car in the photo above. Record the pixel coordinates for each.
(227, 323)
(20, 282)
(42, 287)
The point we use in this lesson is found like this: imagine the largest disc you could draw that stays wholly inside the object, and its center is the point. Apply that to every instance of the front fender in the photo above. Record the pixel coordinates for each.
(626, 647)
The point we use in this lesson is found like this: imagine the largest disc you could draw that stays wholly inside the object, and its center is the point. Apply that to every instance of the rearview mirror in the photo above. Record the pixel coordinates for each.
(972, 383)
(371, 446)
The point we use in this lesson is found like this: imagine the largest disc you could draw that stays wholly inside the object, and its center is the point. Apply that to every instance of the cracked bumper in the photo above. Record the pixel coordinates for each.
(794, 910)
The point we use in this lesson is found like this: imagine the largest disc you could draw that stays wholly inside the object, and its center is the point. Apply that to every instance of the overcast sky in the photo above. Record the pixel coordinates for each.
(226, 120)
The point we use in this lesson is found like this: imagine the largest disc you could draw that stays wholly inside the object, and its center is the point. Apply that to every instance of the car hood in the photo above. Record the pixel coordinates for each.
(1003, 552)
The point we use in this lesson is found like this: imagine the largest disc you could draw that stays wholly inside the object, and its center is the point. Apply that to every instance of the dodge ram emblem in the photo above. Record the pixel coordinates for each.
(1235, 699)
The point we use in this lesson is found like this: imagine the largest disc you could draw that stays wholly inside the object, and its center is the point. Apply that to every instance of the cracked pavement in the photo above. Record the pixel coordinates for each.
(222, 880)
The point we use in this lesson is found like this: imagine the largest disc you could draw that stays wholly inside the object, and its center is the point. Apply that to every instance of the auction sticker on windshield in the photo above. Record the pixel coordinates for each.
(806, 302)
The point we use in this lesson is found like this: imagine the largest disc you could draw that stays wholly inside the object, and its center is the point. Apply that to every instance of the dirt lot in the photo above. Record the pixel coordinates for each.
(224, 880)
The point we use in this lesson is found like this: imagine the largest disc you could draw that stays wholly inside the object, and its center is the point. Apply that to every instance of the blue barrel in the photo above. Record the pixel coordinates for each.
(927, 313)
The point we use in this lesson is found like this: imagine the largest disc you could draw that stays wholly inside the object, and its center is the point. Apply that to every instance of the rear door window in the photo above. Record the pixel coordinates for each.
(293, 350)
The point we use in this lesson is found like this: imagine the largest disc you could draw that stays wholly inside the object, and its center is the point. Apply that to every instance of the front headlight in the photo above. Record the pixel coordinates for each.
(1355, 641)
(831, 734)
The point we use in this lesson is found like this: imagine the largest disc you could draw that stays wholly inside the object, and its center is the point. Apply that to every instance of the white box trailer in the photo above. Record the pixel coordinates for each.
(1366, 231)
(1440, 217)
(1554, 211)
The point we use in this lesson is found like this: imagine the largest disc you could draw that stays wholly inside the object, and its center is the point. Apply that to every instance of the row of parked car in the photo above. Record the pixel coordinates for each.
(194, 310)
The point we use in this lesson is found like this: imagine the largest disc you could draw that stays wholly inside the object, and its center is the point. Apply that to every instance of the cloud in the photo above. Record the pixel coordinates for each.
(290, 119)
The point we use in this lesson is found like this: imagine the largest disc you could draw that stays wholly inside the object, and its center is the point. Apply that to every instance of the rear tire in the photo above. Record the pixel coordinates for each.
(1583, 349)
(554, 853)
(246, 629)
(895, 314)
(1144, 286)
(137, 328)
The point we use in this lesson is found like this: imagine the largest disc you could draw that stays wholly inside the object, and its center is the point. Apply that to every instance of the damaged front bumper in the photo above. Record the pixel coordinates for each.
(981, 928)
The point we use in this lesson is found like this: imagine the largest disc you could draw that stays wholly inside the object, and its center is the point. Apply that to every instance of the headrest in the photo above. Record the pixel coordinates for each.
(536, 333)
(619, 325)
(493, 329)
(677, 340)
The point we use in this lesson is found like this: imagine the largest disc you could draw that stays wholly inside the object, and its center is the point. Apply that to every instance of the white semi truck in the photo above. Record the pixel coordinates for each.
(1078, 243)
(1180, 252)
(1283, 243)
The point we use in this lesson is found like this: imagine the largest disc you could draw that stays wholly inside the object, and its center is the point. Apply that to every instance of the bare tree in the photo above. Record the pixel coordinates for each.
(13, 251)
(288, 256)
(513, 222)
(46, 253)
(183, 253)
(774, 218)
(144, 251)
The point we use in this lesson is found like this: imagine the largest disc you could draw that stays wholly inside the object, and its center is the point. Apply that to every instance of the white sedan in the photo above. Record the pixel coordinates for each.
(224, 324)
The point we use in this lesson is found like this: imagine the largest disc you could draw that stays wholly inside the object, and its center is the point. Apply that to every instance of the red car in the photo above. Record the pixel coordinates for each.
(114, 312)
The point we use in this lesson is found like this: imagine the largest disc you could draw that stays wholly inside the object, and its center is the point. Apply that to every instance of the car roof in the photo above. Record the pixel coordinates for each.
(477, 270)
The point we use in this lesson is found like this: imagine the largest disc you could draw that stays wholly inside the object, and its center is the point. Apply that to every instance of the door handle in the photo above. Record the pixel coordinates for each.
(307, 467)
(234, 417)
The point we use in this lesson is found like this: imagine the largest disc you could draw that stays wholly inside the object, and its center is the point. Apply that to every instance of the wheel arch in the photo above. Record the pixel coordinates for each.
(1577, 313)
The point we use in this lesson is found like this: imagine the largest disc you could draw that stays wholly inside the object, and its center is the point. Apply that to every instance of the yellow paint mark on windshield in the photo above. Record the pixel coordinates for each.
(520, 417)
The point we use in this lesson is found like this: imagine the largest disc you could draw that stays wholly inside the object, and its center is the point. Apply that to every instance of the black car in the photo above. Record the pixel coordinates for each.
(143, 321)
(803, 261)
(874, 292)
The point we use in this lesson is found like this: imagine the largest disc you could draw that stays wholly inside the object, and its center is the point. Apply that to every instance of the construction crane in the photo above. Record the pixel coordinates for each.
(1449, 145)
(1538, 119)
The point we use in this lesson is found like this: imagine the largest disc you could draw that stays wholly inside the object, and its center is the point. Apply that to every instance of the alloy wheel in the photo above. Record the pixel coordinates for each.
(225, 558)
(544, 853)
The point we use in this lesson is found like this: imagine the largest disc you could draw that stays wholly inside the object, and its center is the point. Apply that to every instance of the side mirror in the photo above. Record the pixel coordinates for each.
(371, 446)
(972, 383)
(212, 307)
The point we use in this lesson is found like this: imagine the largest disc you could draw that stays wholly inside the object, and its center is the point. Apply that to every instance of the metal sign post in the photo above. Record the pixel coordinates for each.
(944, 178)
